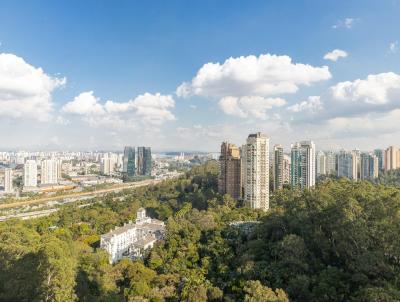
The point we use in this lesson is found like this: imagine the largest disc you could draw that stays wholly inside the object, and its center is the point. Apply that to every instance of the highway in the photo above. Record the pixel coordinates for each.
(116, 188)
(29, 215)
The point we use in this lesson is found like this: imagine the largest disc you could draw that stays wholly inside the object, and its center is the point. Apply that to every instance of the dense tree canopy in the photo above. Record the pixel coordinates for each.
(337, 242)
(389, 178)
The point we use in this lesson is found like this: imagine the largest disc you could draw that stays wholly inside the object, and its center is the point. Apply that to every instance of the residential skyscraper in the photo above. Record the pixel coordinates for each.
(49, 170)
(295, 168)
(30, 173)
(129, 167)
(355, 164)
(59, 169)
(229, 180)
(144, 161)
(331, 163)
(321, 163)
(286, 169)
(303, 165)
(392, 158)
(256, 178)
(278, 167)
(369, 166)
(8, 180)
(345, 164)
(107, 164)
(380, 154)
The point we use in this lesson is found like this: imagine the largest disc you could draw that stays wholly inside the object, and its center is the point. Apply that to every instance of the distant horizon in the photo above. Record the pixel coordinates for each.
(155, 151)
(104, 150)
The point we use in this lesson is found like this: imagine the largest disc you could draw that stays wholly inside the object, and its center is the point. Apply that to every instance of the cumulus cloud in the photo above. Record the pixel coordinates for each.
(376, 89)
(353, 110)
(349, 131)
(115, 107)
(249, 106)
(335, 54)
(265, 75)
(373, 123)
(152, 109)
(25, 91)
(313, 104)
(85, 104)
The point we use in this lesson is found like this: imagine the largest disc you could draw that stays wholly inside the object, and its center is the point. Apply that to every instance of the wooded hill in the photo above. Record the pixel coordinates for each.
(337, 242)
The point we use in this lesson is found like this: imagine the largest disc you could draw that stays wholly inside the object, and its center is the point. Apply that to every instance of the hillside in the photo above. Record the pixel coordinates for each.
(337, 242)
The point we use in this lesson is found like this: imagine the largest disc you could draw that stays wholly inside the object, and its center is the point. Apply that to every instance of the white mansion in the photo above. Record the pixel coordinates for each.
(132, 239)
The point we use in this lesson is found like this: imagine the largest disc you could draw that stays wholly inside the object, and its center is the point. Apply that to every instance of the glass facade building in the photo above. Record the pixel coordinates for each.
(129, 164)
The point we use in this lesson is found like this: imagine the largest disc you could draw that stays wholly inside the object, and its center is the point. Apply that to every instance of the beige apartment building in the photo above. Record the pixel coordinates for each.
(392, 158)
(229, 181)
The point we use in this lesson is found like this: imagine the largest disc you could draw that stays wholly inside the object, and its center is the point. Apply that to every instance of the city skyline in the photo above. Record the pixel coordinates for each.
(184, 77)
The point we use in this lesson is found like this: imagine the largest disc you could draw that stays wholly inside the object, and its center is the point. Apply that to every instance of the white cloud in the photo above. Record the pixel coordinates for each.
(335, 54)
(376, 89)
(265, 75)
(229, 105)
(345, 23)
(249, 106)
(377, 93)
(153, 109)
(368, 124)
(312, 105)
(394, 46)
(25, 91)
(84, 104)
(353, 112)
(115, 107)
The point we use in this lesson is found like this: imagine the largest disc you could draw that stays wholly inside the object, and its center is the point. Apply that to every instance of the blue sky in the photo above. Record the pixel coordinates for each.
(122, 50)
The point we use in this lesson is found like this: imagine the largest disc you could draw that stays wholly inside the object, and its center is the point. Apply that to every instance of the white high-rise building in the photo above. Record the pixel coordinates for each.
(321, 163)
(8, 180)
(30, 173)
(120, 161)
(278, 167)
(59, 169)
(356, 164)
(107, 165)
(256, 178)
(303, 165)
(49, 171)
(331, 163)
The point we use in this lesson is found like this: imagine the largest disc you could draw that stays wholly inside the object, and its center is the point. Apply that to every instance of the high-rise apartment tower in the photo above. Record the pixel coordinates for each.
(256, 178)
(229, 180)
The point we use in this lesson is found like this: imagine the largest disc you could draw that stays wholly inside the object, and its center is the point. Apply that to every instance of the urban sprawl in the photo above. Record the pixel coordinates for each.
(27, 173)
(249, 173)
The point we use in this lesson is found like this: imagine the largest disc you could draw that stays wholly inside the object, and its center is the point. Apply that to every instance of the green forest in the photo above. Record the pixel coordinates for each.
(337, 242)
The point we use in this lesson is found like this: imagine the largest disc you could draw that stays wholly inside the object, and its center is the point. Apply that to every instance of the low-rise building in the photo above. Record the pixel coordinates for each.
(132, 239)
